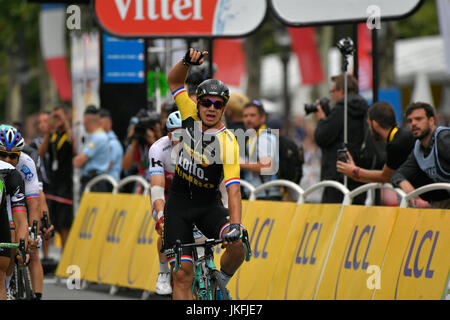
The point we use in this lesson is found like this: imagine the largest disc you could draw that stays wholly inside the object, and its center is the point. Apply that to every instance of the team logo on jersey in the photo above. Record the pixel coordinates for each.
(18, 196)
(28, 174)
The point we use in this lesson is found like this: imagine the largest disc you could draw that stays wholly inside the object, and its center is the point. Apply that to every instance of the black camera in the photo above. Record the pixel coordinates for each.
(346, 46)
(342, 154)
(324, 103)
(145, 121)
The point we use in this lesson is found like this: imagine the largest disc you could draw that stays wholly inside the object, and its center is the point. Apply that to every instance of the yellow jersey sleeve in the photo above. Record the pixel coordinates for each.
(187, 107)
(230, 158)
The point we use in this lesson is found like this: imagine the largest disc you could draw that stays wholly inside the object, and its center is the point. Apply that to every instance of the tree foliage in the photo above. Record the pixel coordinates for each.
(424, 22)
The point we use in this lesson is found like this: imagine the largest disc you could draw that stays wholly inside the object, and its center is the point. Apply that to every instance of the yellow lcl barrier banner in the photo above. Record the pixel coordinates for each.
(303, 255)
(267, 223)
(377, 252)
(83, 234)
(111, 247)
(417, 260)
(357, 253)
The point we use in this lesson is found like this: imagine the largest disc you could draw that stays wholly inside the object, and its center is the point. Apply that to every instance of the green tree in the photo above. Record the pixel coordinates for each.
(19, 43)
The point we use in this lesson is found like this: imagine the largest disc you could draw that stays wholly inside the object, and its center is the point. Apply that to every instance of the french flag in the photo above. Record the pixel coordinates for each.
(52, 26)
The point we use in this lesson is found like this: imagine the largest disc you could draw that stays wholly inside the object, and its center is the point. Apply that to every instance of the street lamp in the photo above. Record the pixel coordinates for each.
(283, 40)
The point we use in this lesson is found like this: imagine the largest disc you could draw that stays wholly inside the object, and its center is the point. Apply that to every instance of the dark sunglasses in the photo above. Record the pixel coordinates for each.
(12, 156)
(208, 102)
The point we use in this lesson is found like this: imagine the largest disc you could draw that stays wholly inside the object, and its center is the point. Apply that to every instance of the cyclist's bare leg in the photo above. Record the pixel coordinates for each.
(4, 263)
(162, 256)
(182, 282)
(45, 245)
(36, 272)
(12, 263)
(232, 258)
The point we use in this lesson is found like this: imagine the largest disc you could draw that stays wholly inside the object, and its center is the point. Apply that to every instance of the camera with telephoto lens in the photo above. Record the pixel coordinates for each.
(342, 154)
(145, 121)
(346, 46)
(324, 103)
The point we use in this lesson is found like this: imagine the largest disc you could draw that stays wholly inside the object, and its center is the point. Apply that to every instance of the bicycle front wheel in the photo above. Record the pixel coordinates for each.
(23, 284)
(217, 284)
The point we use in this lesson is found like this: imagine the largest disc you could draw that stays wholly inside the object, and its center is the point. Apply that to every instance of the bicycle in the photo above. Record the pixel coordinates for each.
(20, 286)
(207, 279)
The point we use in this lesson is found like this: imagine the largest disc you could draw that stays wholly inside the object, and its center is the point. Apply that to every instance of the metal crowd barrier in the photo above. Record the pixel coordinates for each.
(302, 194)
(430, 187)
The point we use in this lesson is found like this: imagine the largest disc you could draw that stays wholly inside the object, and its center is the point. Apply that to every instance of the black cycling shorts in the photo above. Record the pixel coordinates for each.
(181, 213)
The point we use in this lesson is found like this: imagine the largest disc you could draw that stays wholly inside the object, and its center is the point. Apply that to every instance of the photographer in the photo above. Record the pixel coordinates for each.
(144, 133)
(329, 134)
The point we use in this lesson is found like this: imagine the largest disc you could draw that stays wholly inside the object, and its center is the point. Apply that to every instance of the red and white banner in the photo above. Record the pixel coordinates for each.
(52, 26)
(229, 57)
(364, 57)
(305, 47)
(180, 18)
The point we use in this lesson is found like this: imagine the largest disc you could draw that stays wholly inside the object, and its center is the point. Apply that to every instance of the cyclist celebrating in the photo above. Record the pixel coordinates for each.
(11, 145)
(209, 153)
(13, 215)
(161, 170)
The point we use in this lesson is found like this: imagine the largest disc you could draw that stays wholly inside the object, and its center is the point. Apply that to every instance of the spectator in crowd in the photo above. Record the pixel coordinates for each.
(312, 156)
(94, 158)
(45, 128)
(329, 134)
(430, 154)
(399, 143)
(57, 149)
(45, 125)
(261, 159)
(141, 136)
(115, 147)
(234, 111)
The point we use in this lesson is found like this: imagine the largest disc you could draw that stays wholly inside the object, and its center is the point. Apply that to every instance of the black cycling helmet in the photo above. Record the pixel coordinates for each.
(213, 87)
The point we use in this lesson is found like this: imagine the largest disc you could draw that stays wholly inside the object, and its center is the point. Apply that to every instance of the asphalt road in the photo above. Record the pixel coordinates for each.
(58, 289)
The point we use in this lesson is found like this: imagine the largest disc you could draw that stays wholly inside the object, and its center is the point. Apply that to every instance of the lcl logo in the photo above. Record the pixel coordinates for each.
(88, 223)
(116, 226)
(418, 257)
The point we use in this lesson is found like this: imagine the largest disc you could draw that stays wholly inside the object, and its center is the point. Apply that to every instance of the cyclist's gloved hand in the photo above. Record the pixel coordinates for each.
(194, 59)
(234, 233)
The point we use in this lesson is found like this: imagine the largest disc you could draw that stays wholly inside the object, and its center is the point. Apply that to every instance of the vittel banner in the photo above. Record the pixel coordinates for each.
(180, 18)
(307, 12)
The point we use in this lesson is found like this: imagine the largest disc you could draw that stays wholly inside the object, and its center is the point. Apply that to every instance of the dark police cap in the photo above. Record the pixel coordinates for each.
(91, 109)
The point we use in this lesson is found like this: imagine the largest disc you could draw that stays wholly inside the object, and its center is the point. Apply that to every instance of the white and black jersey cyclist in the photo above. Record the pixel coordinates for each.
(161, 171)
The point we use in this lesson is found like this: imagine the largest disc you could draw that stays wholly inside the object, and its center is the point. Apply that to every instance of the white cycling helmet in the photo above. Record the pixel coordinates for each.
(10, 139)
(173, 121)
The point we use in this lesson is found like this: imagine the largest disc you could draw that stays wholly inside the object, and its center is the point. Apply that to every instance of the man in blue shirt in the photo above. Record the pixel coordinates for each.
(261, 152)
(94, 158)
(115, 147)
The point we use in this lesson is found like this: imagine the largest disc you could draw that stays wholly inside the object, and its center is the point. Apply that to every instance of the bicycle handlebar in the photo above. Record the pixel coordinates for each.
(12, 245)
(45, 224)
(209, 243)
(34, 230)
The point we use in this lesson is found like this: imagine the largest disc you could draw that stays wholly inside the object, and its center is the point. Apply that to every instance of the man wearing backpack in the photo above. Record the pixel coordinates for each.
(261, 151)
(329, 135)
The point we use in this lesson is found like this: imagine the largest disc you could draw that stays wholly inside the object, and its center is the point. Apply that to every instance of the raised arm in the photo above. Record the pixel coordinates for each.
(177, 75)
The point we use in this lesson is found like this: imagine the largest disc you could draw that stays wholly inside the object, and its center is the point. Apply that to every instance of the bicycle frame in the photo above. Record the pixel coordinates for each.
(204, 266)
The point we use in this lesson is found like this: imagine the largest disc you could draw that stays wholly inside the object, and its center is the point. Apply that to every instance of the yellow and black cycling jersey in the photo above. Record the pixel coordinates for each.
(206, 158)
